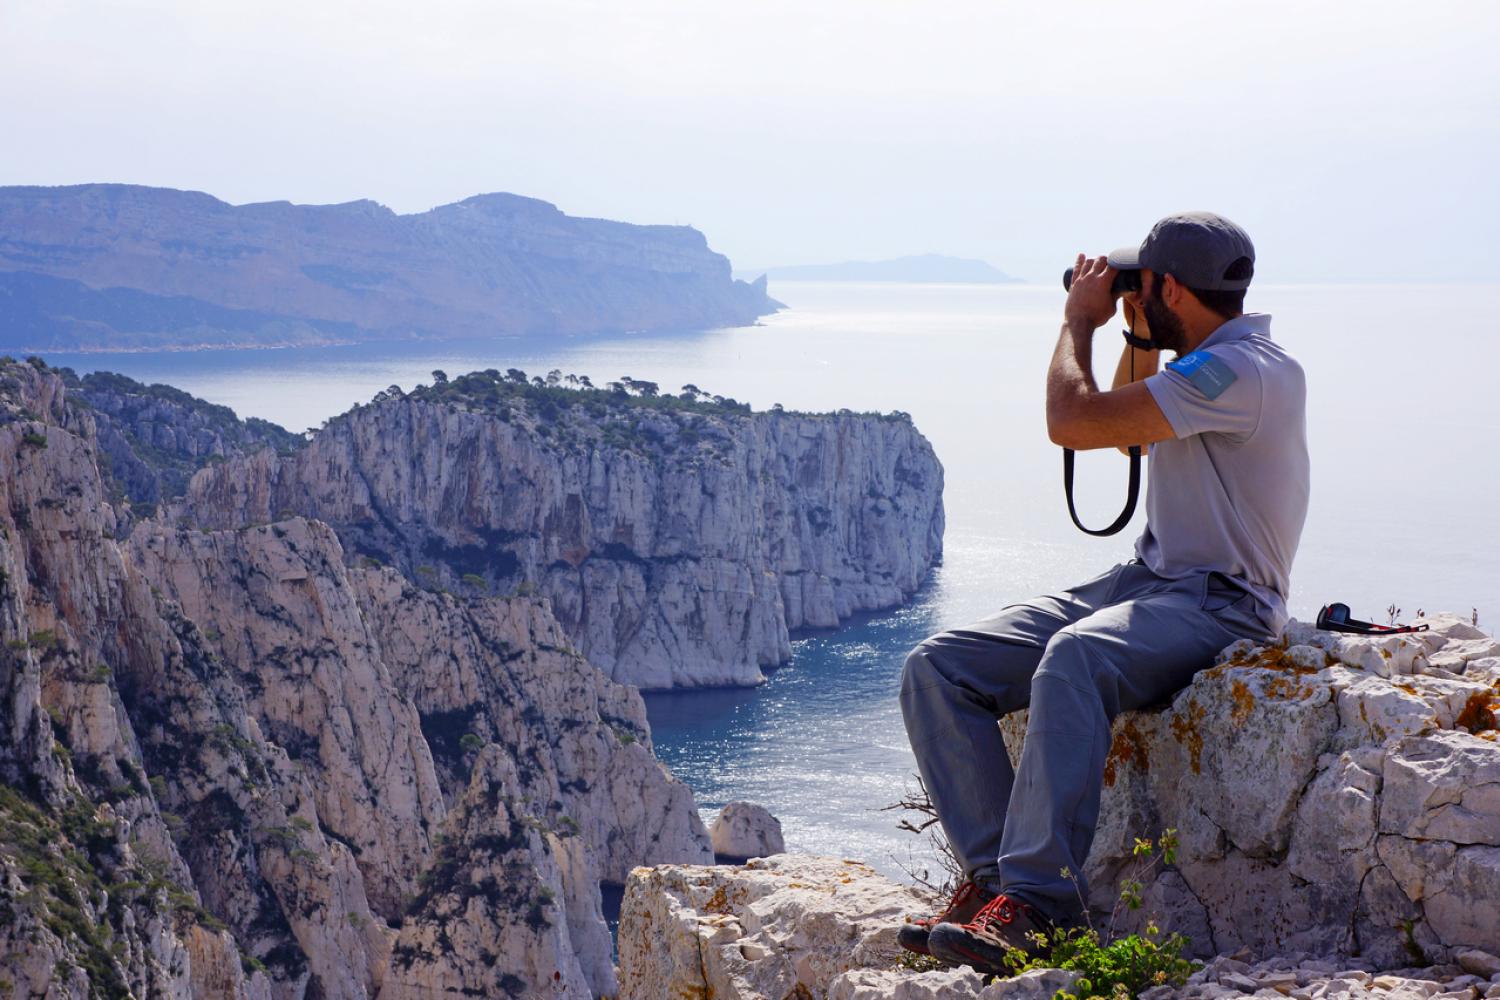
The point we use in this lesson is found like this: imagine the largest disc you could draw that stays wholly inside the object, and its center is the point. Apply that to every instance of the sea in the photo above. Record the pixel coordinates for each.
(1403, 427)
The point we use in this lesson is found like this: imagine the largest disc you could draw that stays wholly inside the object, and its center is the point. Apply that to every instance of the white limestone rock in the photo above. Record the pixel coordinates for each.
(764, 929)
(1325, 790)
(955, 984)
(1480, 963)
(497, 862)
(678, 549)
(787, 926)
(1443, 786)
(236, 726)
(744, 830)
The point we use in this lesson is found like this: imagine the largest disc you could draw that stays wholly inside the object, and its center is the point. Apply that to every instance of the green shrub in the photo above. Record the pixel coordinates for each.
(1116, 966)
(1127, 965)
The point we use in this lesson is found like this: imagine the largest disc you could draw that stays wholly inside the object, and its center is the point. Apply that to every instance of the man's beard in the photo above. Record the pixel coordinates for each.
(1166, 328)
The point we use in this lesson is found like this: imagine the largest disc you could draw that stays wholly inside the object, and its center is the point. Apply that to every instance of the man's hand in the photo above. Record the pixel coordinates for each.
(1079, 416)
(1090, 304)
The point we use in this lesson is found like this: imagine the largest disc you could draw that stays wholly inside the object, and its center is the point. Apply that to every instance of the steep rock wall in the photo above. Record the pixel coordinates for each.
(219, 783)
(679, 547)
(152, 438)
(95, 894)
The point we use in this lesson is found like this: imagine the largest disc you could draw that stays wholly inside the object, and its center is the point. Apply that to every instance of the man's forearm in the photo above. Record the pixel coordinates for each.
(1071, 376)
(1135, 365)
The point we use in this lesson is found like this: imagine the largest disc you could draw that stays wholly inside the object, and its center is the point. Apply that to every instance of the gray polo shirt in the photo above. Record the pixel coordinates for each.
(1229, 494)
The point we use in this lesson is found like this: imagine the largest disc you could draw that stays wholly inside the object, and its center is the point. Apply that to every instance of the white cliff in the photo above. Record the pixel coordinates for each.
(237, 766)
(679, 542)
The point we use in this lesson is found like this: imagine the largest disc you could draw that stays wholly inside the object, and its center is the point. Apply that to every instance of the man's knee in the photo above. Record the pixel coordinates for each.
(919, 671)
(1078, 658)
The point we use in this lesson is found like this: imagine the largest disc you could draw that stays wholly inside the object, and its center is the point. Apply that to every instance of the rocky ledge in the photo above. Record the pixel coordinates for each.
(1332, 794)
(1337, 802)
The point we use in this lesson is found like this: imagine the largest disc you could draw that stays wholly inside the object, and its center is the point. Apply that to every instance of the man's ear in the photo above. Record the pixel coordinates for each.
(1171, 290)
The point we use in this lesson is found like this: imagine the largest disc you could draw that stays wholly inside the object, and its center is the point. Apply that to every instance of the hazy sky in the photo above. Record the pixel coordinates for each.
(1353, 140)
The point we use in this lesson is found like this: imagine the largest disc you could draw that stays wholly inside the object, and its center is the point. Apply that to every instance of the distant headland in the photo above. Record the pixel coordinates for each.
(112, 267)
(927, 268)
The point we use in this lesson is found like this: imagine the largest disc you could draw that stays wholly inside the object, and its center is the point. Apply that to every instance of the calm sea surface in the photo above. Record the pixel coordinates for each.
(1404, 426)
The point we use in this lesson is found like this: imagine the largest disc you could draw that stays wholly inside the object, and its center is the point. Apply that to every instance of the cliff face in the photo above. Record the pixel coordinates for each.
(235, 766)
(111, 266)
(152, 438)
(678, 544)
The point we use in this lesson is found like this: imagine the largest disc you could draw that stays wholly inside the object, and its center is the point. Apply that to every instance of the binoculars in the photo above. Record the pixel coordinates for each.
(1125, 281)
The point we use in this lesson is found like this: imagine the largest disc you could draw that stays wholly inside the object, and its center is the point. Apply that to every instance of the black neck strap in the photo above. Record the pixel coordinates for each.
(1133, 491)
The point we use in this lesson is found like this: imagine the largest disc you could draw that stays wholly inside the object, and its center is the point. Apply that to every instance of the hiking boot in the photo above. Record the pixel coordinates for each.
(982, 943)
(968, 899)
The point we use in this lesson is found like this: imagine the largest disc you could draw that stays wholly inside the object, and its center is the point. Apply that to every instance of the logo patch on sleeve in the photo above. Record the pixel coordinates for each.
(1204, 372)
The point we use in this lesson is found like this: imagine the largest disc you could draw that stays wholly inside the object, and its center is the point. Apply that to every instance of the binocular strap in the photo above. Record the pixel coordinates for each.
(1133, 493)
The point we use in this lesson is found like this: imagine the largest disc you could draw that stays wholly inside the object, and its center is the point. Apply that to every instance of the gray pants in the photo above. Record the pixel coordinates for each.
(1123, 641)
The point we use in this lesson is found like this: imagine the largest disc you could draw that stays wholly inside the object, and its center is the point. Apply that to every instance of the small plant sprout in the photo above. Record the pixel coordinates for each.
(1115, 967)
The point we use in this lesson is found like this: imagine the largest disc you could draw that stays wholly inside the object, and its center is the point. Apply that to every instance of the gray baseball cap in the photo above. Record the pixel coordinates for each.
(1196, 248)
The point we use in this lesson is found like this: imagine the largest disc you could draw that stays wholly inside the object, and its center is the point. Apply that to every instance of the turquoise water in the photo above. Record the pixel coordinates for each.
(1404, 428)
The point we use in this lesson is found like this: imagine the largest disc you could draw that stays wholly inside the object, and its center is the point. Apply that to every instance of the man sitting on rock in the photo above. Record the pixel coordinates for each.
(1227, 499)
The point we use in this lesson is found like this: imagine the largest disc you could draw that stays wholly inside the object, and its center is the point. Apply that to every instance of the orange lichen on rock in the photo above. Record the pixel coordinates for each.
(1288, 689)
(1128, 747)
(1185, 729)
(723, 901)
(1481, 713)
(1274, 658)
(1244, 701)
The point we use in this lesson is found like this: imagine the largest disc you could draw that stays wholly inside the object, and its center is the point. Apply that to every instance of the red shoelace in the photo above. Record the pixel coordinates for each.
(960, 896)
(1001, 909)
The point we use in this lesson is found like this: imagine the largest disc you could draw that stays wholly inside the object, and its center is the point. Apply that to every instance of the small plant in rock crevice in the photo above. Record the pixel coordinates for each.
(1115, 966)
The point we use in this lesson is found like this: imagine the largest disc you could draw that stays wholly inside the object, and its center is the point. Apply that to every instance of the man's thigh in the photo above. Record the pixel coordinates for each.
(1141, 650)
(993, 659)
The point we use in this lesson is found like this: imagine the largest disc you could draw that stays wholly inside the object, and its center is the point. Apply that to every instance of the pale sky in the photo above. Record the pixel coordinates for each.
(1355, 141)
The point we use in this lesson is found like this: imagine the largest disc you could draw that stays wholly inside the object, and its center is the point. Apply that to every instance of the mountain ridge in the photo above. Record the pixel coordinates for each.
(106, 267)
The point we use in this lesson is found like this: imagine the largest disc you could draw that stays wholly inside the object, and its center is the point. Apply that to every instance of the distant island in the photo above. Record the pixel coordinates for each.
(927, 267)
(112, 267)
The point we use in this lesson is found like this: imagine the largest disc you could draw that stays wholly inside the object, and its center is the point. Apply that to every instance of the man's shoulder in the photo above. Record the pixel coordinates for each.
(1261, 356)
